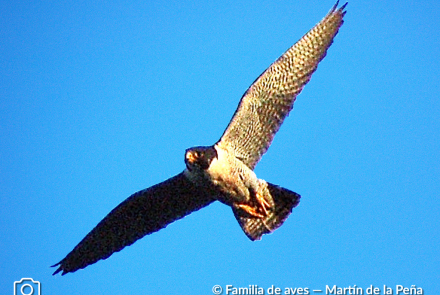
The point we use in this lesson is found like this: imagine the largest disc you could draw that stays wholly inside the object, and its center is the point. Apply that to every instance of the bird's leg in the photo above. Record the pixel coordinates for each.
(261, 191)
(251, 210)
(262, 202)
(258, 205)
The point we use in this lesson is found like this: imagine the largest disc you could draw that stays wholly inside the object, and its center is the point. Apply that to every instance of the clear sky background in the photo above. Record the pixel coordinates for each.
(101, 99)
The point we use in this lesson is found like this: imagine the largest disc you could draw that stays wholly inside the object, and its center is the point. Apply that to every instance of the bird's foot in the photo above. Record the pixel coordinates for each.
(250, 210)
(261, 200)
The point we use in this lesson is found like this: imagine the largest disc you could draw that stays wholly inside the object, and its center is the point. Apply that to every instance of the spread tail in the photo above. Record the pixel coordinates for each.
(284, 201)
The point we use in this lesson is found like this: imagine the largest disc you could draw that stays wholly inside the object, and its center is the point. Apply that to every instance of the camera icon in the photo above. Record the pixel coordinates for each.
(27, 286)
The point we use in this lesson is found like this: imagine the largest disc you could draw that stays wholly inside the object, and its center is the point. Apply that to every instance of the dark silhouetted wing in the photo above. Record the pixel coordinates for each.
(141, 214)
(270, 98)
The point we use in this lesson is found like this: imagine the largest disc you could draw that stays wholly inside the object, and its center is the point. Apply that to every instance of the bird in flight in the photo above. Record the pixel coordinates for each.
(224, 171)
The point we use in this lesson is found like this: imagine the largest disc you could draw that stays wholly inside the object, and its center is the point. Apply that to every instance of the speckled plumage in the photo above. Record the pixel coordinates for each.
(224, 171)
(268, 101)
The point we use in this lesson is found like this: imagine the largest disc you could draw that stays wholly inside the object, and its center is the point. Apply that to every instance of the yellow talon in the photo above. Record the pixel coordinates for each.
(250, 210)
(263, 203)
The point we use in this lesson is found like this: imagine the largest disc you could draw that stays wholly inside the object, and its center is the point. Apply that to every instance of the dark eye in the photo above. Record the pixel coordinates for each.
(197, 154)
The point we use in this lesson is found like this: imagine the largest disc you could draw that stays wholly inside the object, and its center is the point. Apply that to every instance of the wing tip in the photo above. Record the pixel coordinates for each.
(341, 9)
(63, 268)
(59, 269)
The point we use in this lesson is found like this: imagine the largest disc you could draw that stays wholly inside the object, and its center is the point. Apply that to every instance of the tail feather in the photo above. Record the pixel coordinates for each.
(284, 201)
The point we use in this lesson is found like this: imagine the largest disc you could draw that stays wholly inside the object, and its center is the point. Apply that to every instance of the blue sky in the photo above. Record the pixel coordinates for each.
(100, 100)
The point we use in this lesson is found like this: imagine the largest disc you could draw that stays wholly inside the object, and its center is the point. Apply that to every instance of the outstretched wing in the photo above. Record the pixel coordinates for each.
(270, 98)
(142, 213)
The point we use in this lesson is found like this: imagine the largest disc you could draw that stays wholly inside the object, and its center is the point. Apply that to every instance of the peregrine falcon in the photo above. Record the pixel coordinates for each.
(224, 171)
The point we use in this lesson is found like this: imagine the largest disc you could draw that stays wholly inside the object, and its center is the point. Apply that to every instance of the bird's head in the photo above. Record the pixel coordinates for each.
(200, 157)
